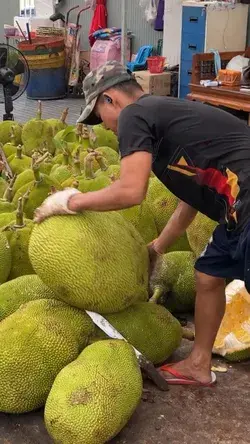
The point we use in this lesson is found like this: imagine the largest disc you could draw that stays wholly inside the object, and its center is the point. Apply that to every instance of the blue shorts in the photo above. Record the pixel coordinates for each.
(227, 255)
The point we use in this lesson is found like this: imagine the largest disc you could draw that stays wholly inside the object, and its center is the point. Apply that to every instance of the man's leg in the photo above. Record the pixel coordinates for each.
(209, 312)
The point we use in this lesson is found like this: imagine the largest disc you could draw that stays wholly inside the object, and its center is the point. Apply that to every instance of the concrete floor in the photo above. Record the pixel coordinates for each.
(25, 109)
(184, 415)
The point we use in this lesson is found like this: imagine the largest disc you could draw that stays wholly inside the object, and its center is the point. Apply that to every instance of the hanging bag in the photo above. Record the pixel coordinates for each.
(151, 11)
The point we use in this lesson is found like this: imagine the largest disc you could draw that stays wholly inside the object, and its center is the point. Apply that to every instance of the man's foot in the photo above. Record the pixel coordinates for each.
(187, 373)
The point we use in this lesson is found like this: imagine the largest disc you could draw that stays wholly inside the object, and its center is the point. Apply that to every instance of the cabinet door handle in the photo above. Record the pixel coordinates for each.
(193, 19)
(189, 72)
(192, 47)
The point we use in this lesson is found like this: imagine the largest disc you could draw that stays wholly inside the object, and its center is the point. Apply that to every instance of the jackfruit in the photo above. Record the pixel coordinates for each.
(163, 204)
(39, 189)
(113, 171)
(90, 182)
(105, 156)
(99, 136)
(173, 281)
(6, 129)
(199, 233)
(60, 173)
(233, 338)
(22, 179)
(94, 397)
(98, 260)
(36, 133)
(3, 186)
(36, 342)
(19, 162)
(73, 136)
(150, 328)
(143, 220)
(6, 205)
(59, 124)
(21, 290)
(5, 259)
(18, 234)
(10, 148)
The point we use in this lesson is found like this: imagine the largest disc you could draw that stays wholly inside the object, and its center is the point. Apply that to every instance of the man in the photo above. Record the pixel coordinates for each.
(202, 154)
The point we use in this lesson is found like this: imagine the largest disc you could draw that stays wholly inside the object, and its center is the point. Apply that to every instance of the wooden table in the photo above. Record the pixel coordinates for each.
(230, 97)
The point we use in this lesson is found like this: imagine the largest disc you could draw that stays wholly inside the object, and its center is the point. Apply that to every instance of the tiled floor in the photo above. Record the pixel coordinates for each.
(25, 109)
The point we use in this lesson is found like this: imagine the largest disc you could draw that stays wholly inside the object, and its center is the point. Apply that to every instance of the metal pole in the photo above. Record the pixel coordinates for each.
(124, 33)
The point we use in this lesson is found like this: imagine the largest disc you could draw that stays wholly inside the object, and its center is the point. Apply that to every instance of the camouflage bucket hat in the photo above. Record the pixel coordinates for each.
(98, 81)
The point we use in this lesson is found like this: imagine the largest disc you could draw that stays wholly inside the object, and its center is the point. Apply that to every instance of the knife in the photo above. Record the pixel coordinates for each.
(144, 363)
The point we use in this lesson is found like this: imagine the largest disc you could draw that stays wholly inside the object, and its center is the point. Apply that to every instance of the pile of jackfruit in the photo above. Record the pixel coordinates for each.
(52, 356)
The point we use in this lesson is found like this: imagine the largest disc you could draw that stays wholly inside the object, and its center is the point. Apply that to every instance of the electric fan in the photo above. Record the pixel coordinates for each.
(14, 77)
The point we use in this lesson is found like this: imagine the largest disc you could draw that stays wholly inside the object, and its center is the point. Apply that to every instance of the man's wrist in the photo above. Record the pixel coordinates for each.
(158, 247)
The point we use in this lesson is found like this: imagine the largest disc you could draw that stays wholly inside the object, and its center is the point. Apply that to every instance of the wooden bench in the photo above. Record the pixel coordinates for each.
(230, 97)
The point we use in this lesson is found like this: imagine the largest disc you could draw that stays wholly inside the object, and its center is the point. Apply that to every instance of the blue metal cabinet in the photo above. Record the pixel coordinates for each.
(201, 31)
(192, 41)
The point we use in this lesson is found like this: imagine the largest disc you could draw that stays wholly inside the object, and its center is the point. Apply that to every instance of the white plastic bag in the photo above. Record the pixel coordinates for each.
(238, 63)
(151, 11)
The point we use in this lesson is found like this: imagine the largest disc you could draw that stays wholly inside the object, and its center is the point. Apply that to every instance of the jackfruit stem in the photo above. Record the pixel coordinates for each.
(79, 131)
(64, 115)
(85, 132)
(156, 296)
(8, 194)
(65, 158)
(36, 161)
(19, 214)
(88, 167)
(75, 184)
(13, 136)
(93, 137)
(26, 197)
(19, 152)
(101, 160)
(39, 110)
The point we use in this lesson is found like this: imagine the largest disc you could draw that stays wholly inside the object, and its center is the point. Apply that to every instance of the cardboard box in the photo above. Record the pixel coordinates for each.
(155, 84)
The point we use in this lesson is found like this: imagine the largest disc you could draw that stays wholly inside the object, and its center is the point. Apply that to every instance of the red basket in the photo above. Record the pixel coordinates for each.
(156, 64)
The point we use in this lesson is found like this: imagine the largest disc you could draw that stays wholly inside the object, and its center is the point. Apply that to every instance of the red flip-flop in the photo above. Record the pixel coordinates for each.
(179, 379)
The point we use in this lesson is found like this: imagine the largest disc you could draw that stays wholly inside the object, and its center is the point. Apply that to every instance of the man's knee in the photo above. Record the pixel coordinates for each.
(204, 282)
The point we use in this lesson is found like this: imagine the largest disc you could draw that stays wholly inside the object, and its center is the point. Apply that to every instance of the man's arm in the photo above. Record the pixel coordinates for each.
(126, 192)
(176, 226)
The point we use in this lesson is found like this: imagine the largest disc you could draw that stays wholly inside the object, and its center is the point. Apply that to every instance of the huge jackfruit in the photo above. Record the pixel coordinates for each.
(143, 220)
(21, 290)
(150, 328)
(163, 204)
(36, 342)
(233, 338)
(5, 259)
(93, 398)
(98, 260)
(173, 281)
(199, 233)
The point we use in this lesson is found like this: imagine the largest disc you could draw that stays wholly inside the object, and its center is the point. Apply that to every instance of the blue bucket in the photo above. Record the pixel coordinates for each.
(47, 84)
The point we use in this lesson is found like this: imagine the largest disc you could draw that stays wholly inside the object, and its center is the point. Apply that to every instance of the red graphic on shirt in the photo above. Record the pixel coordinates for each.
(224, 184)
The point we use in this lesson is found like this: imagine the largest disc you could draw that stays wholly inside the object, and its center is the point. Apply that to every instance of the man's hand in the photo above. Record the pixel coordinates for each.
(56, 204)
(154, 257)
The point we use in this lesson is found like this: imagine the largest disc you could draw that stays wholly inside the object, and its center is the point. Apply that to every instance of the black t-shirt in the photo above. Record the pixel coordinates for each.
(201, 153)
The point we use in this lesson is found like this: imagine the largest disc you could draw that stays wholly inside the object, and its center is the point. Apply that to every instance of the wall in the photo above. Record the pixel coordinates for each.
(144, 33)
(8, 12)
